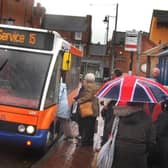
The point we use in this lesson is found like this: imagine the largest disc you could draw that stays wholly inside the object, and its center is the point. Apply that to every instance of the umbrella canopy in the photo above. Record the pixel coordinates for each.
(132, 88)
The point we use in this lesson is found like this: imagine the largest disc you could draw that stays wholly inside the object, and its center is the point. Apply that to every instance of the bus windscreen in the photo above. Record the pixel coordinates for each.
(22, 77)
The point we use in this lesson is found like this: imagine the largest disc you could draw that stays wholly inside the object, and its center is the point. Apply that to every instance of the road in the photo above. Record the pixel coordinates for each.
(15, 157)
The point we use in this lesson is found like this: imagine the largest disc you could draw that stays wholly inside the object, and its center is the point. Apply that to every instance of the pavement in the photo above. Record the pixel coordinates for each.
(67, 154)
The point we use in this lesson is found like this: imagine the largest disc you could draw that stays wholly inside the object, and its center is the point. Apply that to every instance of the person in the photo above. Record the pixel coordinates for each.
(87, 124)
(63, 113)
(117, 73)
(155, 74)
(107, 113)
(162, 135)
(136, 136)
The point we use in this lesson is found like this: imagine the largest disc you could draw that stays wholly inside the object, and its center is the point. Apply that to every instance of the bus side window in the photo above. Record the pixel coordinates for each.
(53, 90)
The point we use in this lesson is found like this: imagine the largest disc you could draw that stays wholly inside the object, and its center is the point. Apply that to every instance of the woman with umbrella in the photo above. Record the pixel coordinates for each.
(136, 134)
(135, 137)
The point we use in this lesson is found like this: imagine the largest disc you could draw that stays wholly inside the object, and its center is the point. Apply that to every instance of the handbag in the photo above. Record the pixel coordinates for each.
(74, 107)
(106, 154)
(75, 112)
(86, 109)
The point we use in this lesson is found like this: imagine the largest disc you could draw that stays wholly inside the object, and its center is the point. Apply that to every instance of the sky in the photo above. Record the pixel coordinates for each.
(132, 14)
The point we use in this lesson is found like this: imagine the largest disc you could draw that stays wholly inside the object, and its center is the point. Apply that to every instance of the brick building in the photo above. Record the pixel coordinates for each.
(75, 29)
(122, 58)
(27, 15)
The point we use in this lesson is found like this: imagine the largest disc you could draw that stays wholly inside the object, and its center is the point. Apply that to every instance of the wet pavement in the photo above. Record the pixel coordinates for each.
(67, 154)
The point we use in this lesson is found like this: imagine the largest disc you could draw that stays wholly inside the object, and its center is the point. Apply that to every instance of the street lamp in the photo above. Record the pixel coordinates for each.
(106, 20)
(112, 45)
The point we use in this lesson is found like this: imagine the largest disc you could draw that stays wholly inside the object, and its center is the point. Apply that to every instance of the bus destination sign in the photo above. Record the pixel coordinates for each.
(27, 39)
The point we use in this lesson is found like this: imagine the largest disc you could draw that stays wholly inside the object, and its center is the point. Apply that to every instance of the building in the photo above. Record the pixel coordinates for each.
(75, 29)
(96, 62)
(158, 35)
(27, 15)
(127, 61)
(159, 27)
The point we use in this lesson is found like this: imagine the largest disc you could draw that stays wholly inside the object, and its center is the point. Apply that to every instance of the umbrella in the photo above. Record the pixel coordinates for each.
(133, 88)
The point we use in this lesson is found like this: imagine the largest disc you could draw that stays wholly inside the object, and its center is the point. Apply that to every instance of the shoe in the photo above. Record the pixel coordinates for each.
(68, 138)
(79, 144)
(87, 143)
(78, 137)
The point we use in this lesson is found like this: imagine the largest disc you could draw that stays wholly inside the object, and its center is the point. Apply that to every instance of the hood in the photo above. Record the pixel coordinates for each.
(126, 110)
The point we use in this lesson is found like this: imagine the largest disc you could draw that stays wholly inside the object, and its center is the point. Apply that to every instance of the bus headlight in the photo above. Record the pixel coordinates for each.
(30, 129)
(21, 128)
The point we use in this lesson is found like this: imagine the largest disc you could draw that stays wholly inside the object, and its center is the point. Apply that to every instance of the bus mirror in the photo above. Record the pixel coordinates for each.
(66, 63)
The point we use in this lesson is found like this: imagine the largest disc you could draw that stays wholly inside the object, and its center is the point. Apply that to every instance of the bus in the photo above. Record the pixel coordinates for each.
(31, 64)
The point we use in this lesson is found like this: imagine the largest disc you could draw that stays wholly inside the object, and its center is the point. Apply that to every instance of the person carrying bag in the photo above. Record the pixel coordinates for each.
(106, 154)
(68, 127)
(88, 109)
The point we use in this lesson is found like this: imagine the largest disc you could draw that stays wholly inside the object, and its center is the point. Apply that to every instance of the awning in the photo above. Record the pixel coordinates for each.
(155, 50)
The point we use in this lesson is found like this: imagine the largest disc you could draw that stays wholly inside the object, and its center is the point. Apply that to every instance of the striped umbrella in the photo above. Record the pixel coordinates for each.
(132, 88)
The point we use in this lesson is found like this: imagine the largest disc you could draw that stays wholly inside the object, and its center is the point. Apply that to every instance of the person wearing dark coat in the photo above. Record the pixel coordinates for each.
(107, 113)
(162, 135)
(135, 138)
(87, 124)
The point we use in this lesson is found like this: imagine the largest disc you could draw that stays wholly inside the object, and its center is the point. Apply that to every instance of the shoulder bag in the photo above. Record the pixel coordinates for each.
(86, 109)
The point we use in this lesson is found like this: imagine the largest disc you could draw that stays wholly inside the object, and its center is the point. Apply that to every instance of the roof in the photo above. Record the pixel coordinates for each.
(155, 50)
(97, 49)
(65, 23)
(162, 16)
(163, 53)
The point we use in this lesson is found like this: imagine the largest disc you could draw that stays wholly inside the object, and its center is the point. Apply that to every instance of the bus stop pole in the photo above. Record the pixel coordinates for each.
(131, 62)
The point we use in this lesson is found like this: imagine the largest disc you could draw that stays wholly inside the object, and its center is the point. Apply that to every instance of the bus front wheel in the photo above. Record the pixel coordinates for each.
(49, 139)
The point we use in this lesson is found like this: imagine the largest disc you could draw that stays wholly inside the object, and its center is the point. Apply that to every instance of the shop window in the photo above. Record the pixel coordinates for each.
(78, 35)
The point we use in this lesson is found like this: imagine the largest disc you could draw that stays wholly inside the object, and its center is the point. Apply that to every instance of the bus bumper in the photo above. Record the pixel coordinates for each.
(34, 141)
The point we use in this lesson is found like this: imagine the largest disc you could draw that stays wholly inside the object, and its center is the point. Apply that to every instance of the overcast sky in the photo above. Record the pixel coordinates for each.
(132, 14)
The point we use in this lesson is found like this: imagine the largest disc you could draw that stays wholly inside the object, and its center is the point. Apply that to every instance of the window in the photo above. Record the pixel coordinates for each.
(78, 35)
(53, 90)
(21, 80)
(80, 46)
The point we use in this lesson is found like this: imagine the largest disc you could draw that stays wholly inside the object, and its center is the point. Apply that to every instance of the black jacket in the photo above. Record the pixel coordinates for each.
(136, 135)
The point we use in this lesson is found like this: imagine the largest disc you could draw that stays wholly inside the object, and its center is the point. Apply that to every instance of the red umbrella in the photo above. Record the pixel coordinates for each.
(133, 89)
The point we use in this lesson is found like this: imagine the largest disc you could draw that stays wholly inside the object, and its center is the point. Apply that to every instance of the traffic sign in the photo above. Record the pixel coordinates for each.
(131, 40)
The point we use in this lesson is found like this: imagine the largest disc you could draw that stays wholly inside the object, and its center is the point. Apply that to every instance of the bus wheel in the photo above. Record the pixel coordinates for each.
(49, 139)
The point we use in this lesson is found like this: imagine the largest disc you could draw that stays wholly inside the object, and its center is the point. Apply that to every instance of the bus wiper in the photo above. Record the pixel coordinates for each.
(3, 62)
